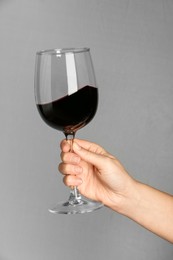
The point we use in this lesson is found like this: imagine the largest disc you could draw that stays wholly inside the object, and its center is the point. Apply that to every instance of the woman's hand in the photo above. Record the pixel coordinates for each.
(98, 174)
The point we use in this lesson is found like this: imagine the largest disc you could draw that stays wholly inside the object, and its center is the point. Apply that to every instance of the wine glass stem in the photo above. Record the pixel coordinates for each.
(75, 196)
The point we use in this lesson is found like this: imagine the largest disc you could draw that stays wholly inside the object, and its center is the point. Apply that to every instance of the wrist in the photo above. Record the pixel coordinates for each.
(128, 201)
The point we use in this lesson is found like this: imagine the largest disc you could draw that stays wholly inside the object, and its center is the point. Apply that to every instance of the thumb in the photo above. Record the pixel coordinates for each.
(89, 156)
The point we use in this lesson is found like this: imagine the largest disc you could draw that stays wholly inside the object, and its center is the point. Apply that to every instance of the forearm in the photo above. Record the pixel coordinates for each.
(152, 209)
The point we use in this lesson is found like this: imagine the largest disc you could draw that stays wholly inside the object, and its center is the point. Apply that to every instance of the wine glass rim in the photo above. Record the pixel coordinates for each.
(62, 51)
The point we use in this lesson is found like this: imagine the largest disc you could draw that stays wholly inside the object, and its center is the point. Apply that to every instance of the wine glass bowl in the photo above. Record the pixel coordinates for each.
(67, 98)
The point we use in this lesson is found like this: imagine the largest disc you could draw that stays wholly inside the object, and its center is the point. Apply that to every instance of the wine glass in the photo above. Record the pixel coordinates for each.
(67, 97)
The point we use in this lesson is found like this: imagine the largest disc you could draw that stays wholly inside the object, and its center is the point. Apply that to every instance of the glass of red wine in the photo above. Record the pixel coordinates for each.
(67, 97)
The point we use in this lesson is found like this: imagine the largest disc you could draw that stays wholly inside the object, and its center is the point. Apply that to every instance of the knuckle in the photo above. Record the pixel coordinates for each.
(63, 168)
(67, 181)
(60, 167)
(61, 156)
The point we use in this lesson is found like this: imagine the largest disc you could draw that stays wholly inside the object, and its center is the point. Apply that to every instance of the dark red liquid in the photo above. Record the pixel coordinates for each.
(72, 112)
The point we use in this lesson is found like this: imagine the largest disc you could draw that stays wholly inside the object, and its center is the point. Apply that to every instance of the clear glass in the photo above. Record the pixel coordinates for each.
(67, 97)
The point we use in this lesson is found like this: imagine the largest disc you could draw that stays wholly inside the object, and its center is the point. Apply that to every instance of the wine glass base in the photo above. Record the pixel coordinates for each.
(82, 206)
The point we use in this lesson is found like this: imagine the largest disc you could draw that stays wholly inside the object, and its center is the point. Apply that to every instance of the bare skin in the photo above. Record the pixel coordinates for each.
(101, 177)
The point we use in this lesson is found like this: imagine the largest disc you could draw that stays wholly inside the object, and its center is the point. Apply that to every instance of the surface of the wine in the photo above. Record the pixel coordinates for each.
(71, 112)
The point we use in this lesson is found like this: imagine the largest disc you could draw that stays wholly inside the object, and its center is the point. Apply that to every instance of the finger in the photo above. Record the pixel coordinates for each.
(65, 146)
(70, 169)
(89, 156)
(70, 158)
(93, 147)
(72, 180)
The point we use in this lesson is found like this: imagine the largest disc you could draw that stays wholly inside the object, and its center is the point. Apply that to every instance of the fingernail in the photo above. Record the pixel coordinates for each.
(76, 146)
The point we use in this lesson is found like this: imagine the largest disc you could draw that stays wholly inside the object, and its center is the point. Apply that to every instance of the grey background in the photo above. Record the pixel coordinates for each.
(131, 45)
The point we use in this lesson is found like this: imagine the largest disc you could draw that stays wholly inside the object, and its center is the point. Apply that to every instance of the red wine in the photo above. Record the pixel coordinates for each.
(71, 112)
